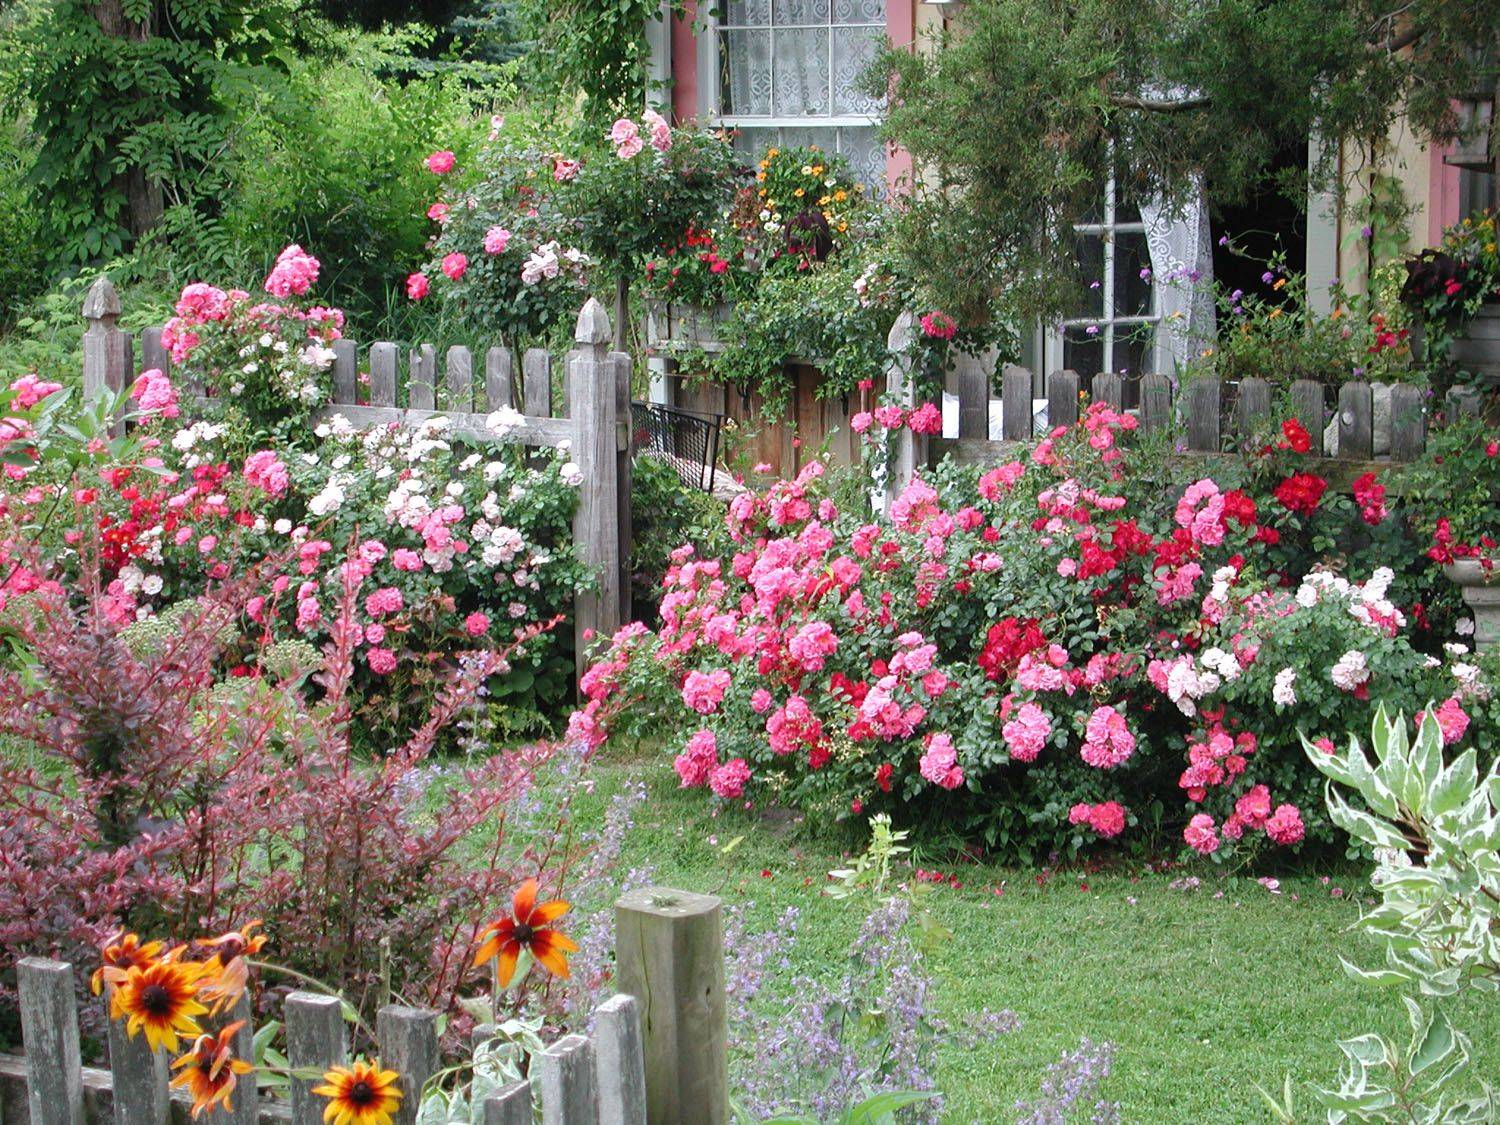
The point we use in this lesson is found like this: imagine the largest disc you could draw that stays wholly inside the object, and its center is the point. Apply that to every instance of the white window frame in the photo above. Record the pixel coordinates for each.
(1106, 230)
(709, 88)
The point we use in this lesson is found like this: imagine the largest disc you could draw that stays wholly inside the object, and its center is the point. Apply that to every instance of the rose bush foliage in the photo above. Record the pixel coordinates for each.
(1063, 648)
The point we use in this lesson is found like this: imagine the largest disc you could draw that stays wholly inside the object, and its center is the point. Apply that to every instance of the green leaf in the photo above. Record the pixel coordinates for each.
(1436, 1044)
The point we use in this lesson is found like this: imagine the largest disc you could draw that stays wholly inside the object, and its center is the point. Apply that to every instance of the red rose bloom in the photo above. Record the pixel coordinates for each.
(1295, 436)
(1301, 493)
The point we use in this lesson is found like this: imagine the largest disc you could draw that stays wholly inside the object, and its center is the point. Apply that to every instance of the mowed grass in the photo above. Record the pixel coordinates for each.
(1204, 992)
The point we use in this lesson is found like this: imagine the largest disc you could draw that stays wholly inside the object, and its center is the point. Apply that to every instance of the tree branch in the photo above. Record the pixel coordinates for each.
(1160, 105)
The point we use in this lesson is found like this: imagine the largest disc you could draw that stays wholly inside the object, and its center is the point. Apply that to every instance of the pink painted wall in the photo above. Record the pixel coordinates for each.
(900, 26)
(1442, 194)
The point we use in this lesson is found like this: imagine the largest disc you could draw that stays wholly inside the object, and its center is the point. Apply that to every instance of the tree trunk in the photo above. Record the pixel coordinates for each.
(144, 202)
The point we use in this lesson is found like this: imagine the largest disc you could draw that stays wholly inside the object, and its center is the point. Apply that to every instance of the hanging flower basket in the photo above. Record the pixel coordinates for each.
(1481, 590)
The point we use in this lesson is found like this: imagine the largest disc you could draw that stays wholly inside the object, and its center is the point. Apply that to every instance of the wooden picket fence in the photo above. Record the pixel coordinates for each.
(657, 1054)
(1207, 418)
(596, 422)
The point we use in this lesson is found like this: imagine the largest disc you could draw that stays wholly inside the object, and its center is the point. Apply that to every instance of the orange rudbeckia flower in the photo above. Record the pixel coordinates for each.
(360, 1094)
(123, 952)
(210, 1071)
(160, 998)
(228, 970)
(528, 927)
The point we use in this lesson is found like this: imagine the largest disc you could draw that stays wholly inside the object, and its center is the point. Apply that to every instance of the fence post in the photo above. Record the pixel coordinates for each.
(497, 388)
(1156, 403)
(1356, 421)
(596, 531)
(971, 382)
(567, 1081)
(1408, 423)
(383, 373)
(1307, 406)
(108, 356)
(314, 1039)
(409, 1046)
(1015, 404)
(908, 451)
(624, 470)
(49, 1031)
(1062, 399)
(138, 1077)
(1254, 406)
(1201, 397)
(421, 364)
(458, 379)
(536, 383)
(669, 955)
(509, 1105)
(345, 372)
(620, 1061)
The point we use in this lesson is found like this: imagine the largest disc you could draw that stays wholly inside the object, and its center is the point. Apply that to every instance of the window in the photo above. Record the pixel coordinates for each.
(1115, 329)
(787, 71)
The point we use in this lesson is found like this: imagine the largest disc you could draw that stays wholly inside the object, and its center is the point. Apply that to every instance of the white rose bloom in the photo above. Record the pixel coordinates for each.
(1464, 627)
(454, 489)
(571, 474)
(131, 577)
(1224, 663)
(326, 501)
(469, 462)
(152, 584)
(1283, 692)
(282, 526)
(1307, 595)
(504, 420)
(183, 440)
(1453, 649)
(1350, 670)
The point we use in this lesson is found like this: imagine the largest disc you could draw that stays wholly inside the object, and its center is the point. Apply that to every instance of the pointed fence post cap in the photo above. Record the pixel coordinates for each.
(902, 332)
(593, 324)
(102, 300)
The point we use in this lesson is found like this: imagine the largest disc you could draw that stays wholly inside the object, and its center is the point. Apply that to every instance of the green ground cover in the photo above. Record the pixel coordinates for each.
(1204, 990)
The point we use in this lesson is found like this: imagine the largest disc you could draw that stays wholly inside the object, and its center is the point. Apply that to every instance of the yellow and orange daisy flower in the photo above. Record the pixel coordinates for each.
(210, 1071)
(123, 952)
(228, 973)
(529, 927)
(160, 998)
(360, 1094)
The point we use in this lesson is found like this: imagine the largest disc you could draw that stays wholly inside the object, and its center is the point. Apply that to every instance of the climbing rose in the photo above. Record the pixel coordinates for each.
(440, 163)
(417, 286)
(703, 692)
(496, 239)
(294, 272)
(476, 624)
(1027, 733)
(939, 764)
(1301, 493)
(698, 760)
(454, 265)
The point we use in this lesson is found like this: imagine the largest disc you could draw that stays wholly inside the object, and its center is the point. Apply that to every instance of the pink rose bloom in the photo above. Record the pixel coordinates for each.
(454, 265)
(1107, 741)
(812, 644)
(939, 326)
(564, 170)
(861, 421)
(1451, 718)
(697, 761)
(703, 692)
(1254, 808)
(1027, 733)
(1107, 819)
(476, 624)
(1285, 825)
(661, 132)
(939, 763)
(760, 701)
(294, 272)
(1200, 834)
(154, 394)
(374, 634)
(496, 239)
(382, 661)
(265, 471)
(1080, 813)
(404, 558)
(438, 212)
(384, 601)
(728, 781)
(926, 419)
(440, 163)
(417, 286)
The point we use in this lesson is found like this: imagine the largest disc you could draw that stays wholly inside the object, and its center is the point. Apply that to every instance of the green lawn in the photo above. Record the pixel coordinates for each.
(1204, 992)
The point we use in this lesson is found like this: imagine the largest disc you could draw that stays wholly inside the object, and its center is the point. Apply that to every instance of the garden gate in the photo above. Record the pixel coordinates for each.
(596, 425)
(657, 1053)
(1200, 415)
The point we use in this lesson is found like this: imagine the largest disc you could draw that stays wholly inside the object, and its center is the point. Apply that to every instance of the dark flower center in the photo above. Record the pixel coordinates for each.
(156, 1000)
(524, 933)
(361, 1093)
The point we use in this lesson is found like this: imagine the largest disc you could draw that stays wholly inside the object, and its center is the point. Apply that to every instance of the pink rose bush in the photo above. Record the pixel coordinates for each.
(456, 546)
(1023, 651)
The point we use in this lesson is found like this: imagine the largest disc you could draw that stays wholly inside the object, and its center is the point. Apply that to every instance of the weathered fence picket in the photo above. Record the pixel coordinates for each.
(595, 428)
(1207, 416)
(658, 1050)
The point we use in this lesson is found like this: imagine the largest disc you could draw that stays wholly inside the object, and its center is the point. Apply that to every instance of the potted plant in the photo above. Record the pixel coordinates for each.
(1455, 288)
(1454, 495)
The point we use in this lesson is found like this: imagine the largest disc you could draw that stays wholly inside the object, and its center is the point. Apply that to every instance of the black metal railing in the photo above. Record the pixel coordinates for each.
(684, 439)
